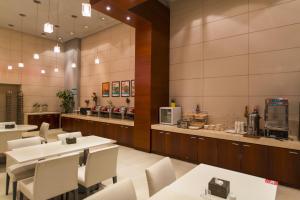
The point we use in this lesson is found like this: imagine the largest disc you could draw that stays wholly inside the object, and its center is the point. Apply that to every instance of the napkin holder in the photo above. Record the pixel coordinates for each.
(219, 187)
(71, 140)
(10, 126)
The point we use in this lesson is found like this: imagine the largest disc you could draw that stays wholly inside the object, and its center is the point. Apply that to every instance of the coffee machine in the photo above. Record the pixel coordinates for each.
(277, 118)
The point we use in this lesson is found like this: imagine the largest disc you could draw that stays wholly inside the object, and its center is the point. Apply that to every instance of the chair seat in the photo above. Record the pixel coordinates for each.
(26, 186)
(30, 134)
(81, 175)
(21, 171)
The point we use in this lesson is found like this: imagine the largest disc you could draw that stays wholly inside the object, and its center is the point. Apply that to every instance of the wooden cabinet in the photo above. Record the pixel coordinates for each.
(207, 151)
(165, 143)
(125, 135)
(254, 159)
(67, 124)
(109, 131)
(284, 166)
(38, 119)
(229, 155)
(188, 148)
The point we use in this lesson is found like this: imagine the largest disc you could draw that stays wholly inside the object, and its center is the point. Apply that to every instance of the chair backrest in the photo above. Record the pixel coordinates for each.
(62, 137)
(19, 143)
(101, 164)
(55, 176)
(123, 190)
(44, 130)
(160, 175)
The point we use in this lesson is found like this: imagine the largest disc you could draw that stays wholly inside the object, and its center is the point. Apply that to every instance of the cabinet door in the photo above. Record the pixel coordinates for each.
(188, 146)
(34, 120)
(284, 166)
(171, 144)
(207, 151)
(65, 124)
(91, 128)
(254, 159)
(229, 155)
(157, 141)
(109, 131)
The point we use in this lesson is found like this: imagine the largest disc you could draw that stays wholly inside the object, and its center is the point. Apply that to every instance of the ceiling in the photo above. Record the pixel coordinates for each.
(84, 26)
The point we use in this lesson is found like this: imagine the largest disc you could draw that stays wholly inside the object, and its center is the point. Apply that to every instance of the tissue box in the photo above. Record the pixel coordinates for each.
(219, 190)
(71, 140)
(10, 126)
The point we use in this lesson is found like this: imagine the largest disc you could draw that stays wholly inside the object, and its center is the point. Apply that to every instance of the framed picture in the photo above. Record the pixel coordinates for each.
(115, 89)
(105, 89)
(132, 88)
(125, 88)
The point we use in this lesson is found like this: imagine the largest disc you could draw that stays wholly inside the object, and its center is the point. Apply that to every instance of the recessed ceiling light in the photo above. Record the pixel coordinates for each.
(86, 26)
(56, 69)
(71, 33)
(108, 8)
(103, 18)
(43, 71)
(20, 65)
(9, 67)
(73, 65)
(128, 18)
(36, 56)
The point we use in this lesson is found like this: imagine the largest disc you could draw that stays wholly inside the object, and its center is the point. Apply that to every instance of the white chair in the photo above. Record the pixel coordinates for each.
(101, 164)
(43, 132)
(15, 171)
(123, 190)
(62, 137)
(53, 177)
(160, 175)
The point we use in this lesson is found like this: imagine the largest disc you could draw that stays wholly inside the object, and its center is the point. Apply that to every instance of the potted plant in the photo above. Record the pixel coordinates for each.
(128, 102)
(67, 100)
(87, 103)
(173, 103)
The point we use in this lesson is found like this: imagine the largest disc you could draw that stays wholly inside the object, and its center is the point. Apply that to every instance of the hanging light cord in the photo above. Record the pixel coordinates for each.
(49, 10)
(21, 51)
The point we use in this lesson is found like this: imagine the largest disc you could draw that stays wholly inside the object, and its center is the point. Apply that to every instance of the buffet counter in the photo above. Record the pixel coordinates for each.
(100, 119)
(289, 144)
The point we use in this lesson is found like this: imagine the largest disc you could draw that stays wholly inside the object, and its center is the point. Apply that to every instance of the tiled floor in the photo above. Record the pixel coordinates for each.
(132, 163)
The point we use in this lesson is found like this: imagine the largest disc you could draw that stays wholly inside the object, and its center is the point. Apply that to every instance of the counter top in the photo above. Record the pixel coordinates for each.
(100, 119)
(41, 113)
(288, 144)
(19, 128)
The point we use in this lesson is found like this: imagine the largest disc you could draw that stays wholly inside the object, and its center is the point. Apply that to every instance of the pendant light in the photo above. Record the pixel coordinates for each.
(74, 65)
(21, 64)
(86, 9)
(97, 60)
(48, 27)
(36, 56)
(9, 66)
(56, 48)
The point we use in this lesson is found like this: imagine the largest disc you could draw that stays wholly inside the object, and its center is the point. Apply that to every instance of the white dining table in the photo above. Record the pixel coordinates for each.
(42, 151)
(12, 134)
(192, 185)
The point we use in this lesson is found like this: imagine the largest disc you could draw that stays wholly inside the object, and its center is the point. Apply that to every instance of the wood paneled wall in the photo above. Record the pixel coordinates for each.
(152, 22)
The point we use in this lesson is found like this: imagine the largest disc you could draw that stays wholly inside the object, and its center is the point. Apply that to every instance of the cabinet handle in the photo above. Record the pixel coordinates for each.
(125, 127)
(167, 133)
(201, 138)
(235, 144)
(246, 145)
(293, 152)
(193, 138)
(161, 132)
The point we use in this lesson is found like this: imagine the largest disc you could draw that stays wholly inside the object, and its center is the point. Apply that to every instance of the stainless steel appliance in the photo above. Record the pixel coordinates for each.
(277, 118)
(253, 123)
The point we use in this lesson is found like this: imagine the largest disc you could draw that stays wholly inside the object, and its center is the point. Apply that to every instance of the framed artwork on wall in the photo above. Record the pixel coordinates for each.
(132, 88)
(125, 88)
(105, 89)
(115, 89)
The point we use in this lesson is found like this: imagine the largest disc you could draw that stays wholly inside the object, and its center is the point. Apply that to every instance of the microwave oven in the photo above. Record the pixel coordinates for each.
(169, 115)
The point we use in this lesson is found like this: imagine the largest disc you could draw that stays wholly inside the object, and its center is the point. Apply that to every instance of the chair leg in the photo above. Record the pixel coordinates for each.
(115, 179)
(7, 183)
(21, 196)
(76, 194)
(62, 196)
(15, 183)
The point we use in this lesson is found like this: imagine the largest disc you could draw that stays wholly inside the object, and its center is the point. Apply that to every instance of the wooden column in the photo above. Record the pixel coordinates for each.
(151, 20)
